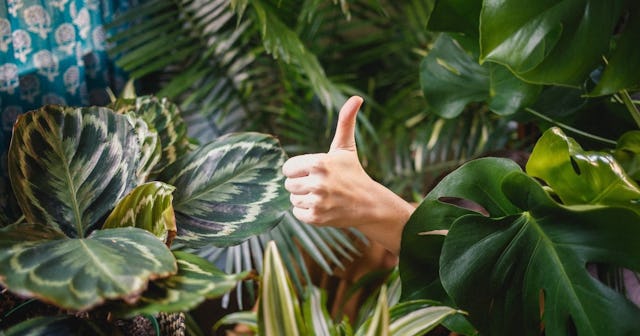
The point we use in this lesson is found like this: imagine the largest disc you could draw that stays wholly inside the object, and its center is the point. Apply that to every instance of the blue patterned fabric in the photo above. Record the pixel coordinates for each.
(52, 51)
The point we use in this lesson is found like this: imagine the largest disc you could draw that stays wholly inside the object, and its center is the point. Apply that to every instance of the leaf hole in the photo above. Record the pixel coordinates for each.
(465, 204)
(574, 165)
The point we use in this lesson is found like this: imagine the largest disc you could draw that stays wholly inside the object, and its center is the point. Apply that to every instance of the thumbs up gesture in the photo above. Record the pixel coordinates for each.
(332, 189)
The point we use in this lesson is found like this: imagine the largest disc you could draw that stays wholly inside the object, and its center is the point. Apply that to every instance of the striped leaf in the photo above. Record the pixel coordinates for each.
(228, 190)
(164, 117)
(78, 274)
(197, 279)
(278, 310)
(69, 166)
(148, 207)
(417, 317)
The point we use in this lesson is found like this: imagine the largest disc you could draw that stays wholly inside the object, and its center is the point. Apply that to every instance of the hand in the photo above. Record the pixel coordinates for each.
(332, 189)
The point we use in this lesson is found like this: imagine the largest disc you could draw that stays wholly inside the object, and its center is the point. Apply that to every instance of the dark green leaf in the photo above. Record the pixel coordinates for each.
(197, 280)
(70, 166)
(228, 190)
(147, 207)
(39, 261)
(451, 79)
(627, 153)
(548, 41)
(531, 265)
(460, 16)
(53, 326)
(581, 177)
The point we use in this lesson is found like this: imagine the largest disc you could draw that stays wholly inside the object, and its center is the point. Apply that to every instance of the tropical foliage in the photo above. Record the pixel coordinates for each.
(494, 240)
(104, 193)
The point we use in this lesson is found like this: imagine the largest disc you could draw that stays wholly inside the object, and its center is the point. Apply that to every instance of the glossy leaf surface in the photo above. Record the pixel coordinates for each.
(228, 190)
(78, 274)
(69, 167)
(581, 177)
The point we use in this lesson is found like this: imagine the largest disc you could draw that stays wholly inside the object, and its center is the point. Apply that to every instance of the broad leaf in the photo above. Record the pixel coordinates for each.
(78, 274)
(549, 41)
(627, 153)
(458, 194)
(69, 166)
(164, 117)
(451, 79)
(228, 190)
(461, 16)
(531, 265)
(148, 207)
(581, 177)
(197, 280)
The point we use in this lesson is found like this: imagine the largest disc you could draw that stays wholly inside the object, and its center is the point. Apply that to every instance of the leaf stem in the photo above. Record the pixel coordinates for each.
(628, 102)
(569, 128)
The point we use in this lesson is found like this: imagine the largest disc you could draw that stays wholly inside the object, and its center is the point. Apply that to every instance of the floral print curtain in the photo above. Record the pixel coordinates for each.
(52, 52)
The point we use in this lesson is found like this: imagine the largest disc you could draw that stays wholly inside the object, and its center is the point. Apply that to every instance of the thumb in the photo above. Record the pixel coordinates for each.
(344, 139)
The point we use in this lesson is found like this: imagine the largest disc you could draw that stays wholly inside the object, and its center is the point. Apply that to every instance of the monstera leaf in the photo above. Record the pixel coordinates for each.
(70, 166)
(525, 256)
(39, 261)
(197, 280)
(558, 42)
(627, 152)
(581, 177)
(451, 79)
(228, 190)
(148, 207)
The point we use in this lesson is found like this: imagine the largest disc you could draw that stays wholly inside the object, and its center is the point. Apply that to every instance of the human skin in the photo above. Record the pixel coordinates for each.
(333, 189)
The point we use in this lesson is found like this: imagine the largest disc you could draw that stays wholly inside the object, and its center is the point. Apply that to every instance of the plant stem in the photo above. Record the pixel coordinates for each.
(626, 98)
(569, 128)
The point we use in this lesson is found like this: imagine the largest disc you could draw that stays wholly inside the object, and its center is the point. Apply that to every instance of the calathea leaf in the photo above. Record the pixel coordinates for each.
(228, 190)
(148, 207)
(531, 265)
(197, 279)
(69, 166)
(78, 274)
(451, 79)
(581, 177)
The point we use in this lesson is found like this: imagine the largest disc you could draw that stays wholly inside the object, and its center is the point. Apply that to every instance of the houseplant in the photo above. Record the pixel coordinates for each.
(105, 192)
(526, 244)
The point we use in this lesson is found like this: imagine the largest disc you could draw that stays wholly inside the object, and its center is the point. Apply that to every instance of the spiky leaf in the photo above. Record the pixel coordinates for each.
(39, 261)
(228, 190)
(69, 166)
(581, 177)
(197, 279)
(148, 207)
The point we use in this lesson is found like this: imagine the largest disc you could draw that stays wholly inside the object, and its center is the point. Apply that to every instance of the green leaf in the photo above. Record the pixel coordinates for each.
(465, 191)
(247, 318)
(451, 79)
(197, 279)
(315, 312)
(417, 317)
(462, 16)
(541, 41)
(531, 265)
(53, 326)
(581, 177)
(627, 153)
(228, 190)
(278, 309)
(623, 63)
(147, 207)
(378, 323)
(78, 274)
(70, 166)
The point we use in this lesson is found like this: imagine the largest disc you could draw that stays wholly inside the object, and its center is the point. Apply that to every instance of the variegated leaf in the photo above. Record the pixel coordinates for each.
(197, 279)
(39, 261)
(69, 166)
(163, 116)
(228, 190)
(148, 207)
(150, 149)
